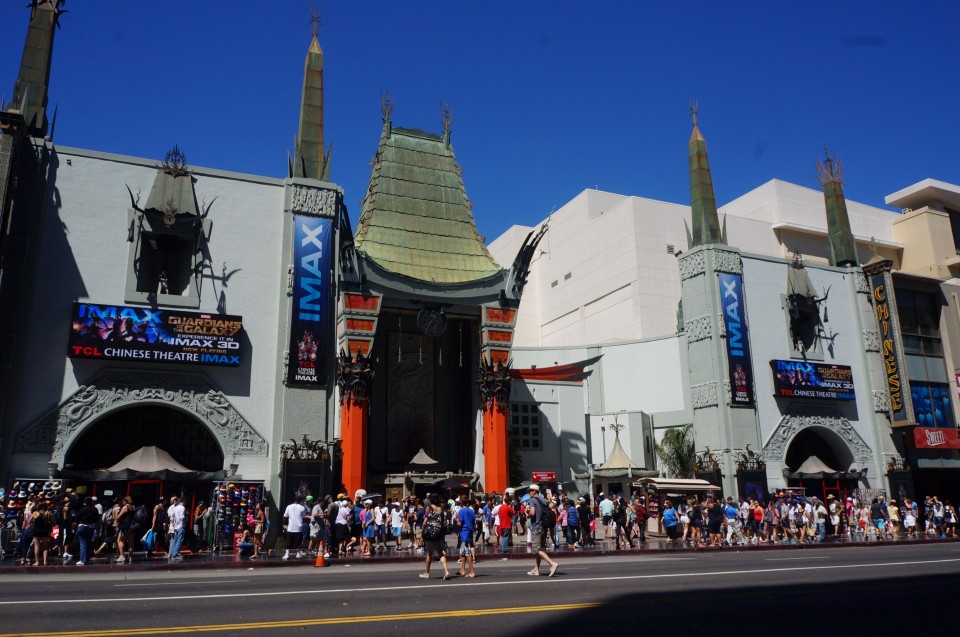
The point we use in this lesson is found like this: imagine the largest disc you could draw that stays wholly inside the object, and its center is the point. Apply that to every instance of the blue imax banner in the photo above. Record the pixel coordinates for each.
(310, 320)
(738, 342)
(117, 332)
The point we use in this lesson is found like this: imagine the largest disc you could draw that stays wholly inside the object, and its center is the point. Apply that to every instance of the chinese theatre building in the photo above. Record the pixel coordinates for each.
(174, 324)
(424, 325)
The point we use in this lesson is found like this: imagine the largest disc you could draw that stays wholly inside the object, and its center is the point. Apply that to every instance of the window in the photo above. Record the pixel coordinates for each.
(525, 425)
(165, 264)
(919, 314)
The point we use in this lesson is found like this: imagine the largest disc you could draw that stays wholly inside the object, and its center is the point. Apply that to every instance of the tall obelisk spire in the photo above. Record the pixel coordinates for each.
(843, 248)
(703, 204)
(30, 91)
(309, 158)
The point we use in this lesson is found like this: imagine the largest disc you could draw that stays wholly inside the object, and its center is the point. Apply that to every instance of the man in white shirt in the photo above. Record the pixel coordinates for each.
(396, 523)
(175, 516)
(379, 525)
(293, 522)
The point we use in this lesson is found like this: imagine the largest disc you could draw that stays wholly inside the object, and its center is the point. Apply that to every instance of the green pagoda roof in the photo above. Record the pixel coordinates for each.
(416, 219)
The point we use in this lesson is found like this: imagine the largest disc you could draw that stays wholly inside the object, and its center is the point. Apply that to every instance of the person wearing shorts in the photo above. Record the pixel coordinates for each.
(538, 534)
(467, 521)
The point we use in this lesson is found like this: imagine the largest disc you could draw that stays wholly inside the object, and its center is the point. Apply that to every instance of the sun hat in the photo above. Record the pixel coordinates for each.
(534, 487)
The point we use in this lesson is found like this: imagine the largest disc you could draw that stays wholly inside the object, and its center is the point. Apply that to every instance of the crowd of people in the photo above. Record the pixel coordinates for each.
(75, 529)
(79, 529)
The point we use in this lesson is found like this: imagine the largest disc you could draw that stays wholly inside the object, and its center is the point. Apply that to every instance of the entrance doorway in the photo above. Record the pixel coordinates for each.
(122, 432)
(145, 491)
(835, 458)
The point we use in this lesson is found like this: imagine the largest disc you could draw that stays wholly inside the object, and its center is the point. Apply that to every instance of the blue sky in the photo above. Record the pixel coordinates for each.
(548, 98)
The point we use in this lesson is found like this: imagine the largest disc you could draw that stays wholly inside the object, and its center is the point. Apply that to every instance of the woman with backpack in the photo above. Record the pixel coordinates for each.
(433, 539)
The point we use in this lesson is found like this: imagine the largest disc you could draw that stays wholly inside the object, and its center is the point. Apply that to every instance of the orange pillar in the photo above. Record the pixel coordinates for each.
(495, 458)
(354, 415)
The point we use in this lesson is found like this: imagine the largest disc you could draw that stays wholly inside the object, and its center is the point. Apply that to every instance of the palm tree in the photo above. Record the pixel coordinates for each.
(677, 451)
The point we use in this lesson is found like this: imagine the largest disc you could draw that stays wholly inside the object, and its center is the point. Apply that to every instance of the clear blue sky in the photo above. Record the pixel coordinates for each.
(549, 98)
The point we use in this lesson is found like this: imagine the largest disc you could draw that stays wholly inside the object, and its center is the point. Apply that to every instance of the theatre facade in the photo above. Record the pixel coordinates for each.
(171, 329)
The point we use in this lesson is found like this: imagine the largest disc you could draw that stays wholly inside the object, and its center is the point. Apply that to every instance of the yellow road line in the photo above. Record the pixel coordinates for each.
(303, 623)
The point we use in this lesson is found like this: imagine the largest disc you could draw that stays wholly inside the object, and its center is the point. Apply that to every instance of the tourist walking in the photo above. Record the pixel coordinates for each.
(176, 515)
(536, 507)
(293, 523)
(433, 538)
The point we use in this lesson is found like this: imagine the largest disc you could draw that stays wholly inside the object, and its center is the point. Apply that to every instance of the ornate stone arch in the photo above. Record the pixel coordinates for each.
(800, 417)
(117, 389)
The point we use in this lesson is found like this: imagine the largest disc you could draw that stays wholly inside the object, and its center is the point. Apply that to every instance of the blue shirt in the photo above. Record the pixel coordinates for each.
(468, 519)
(670, 517)
(731, 512)
(573, 517)
(487, 515)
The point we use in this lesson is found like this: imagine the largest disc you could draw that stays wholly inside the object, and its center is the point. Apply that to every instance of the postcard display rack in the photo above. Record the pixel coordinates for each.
(15, 501)
(234, 502)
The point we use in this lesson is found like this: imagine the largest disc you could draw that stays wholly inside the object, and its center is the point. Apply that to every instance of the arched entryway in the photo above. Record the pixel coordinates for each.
(124, 431)
(826, 457)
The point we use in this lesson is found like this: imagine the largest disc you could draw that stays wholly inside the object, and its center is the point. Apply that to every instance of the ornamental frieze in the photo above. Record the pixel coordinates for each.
(802, 416)
(115, 389)
(724, 261)
(698, 329)
(691, 265)
(321, 202)
(860, 280)
(871, 340)
(704, 395)
(881, 401)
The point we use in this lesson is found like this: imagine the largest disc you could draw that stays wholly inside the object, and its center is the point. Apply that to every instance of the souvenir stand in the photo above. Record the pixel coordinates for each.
(233, 502)
(659, 490)
(15, 501)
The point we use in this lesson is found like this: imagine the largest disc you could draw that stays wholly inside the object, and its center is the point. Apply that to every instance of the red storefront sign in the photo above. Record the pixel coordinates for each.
(544, 476)
(935, 438)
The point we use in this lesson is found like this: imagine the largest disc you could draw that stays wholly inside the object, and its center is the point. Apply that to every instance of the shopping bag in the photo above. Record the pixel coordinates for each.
(149, 539)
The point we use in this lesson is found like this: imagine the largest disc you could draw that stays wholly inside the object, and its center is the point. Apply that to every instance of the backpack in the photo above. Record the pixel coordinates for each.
(162, 518)
(768, 516)
(433, 528)
(548, 518)
(107, 517)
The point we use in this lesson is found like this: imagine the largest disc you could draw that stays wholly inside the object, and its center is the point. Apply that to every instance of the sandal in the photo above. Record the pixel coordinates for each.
(424, 576)
(446, 576)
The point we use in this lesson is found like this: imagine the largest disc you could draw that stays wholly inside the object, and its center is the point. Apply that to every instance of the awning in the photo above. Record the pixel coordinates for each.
(676, 484)
(146, 463)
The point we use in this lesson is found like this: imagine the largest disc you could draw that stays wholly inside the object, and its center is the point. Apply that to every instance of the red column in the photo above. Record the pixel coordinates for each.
(495, 458)
(354, 416)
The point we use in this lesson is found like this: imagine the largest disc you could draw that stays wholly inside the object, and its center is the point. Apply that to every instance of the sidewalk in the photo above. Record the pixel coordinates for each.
(519, 550)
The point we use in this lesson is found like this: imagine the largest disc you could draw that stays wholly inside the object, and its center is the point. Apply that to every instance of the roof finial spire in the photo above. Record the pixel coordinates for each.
(386, 105)
(446, 116)
(693, 111)
(315, 21)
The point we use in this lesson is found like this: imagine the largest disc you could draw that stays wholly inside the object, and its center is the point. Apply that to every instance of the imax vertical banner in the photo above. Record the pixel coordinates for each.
(310, 318)
(738, 342)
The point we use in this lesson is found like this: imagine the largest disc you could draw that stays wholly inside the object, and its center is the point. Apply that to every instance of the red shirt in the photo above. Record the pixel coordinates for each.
(505, 513)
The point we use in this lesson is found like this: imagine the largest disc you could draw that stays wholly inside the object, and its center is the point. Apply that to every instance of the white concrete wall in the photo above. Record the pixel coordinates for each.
(606, 275)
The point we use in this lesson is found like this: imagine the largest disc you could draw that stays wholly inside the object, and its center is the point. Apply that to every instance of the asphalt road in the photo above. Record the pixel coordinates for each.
(892, 588)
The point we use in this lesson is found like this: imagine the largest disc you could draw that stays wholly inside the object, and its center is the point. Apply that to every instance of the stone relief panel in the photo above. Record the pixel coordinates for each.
(704, 395)
(314, 201)
(114, 389)
(881, 401)
(800, 417)
(860, 280)
(698, 329)
(871, 340)
(691, 265)
(724, 261)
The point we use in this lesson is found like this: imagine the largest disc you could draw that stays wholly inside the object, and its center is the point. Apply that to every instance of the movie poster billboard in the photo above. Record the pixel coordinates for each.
(117, 332)
(310, 317)
(802, 379)
(738, 341)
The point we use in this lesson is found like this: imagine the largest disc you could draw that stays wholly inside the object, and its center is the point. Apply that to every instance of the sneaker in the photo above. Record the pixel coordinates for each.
(299, 555)
(80, 564)
(326, 555)
(286, 556)
(67, 556)
(120, 560)
(553, 569)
